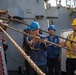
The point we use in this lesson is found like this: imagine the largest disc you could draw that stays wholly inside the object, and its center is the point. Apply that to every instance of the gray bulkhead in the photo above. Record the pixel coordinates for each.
(29, 9)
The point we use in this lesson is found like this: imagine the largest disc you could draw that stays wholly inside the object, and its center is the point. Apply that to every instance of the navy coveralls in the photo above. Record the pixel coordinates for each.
(52, 56)
(38, 56)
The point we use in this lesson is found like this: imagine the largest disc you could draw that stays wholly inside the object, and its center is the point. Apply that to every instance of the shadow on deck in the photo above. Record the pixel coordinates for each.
(24, 73)
(16, 73)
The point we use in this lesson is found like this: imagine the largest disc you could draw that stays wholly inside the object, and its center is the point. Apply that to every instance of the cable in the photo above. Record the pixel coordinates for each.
(37, 37)
(24, 23)
(11, 19)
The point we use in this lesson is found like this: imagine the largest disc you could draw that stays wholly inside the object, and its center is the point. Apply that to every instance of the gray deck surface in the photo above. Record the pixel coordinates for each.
(15, 73)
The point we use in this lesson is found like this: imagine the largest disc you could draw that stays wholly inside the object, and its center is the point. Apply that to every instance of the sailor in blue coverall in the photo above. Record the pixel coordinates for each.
(53, 53)
(37, 50)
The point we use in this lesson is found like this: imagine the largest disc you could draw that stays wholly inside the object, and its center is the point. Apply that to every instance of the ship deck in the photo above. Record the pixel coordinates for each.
(23, 73)
(16, 73)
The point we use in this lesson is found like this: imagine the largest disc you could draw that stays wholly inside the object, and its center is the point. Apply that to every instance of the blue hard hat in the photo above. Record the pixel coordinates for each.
(28, 28)
(34, 25)
(52, 27)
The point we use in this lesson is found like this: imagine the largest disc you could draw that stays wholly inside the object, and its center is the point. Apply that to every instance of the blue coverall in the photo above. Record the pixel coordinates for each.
(53, 53)
(38, 56)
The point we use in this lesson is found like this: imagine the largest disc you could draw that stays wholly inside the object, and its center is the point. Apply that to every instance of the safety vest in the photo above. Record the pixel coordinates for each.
(69, 44)
(52, 50)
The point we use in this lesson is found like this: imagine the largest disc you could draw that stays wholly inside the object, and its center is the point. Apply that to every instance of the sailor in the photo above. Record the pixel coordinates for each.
(53, 52)
(37, 51)
(71, 54)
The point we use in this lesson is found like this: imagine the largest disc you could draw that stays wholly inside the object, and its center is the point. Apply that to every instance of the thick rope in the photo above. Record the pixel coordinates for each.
(10, 18)
(24, 23)
(38, 38)
(24, 54)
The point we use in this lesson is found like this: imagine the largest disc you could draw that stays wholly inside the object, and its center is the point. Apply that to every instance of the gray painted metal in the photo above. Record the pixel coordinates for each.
(17, 12)
(31, 8)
